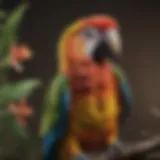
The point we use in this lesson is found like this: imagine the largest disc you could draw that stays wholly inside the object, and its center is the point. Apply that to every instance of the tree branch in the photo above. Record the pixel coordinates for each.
(132, 150)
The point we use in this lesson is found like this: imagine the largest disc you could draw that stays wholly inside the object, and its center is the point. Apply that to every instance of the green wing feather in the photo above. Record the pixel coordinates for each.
(51, 111)
(125, 94)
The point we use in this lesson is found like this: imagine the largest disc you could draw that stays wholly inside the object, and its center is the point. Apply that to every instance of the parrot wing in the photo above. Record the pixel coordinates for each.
(55, 119)
(125, 95)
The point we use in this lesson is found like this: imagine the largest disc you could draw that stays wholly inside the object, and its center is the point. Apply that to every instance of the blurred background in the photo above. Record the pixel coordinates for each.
(140, 26)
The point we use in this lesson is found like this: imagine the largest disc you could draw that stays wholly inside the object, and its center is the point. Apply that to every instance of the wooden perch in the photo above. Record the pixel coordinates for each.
(131, 150)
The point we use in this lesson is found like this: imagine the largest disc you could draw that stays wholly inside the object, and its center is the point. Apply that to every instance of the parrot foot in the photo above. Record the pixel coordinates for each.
(115, 150)
(81, 156)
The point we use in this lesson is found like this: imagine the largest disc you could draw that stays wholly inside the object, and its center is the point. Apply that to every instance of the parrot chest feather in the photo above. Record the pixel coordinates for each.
(94, 110)
(90, 111)
(93, 118)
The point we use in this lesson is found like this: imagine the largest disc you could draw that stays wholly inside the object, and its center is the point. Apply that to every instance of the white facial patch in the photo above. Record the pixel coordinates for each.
(90, 46)
(91, 37)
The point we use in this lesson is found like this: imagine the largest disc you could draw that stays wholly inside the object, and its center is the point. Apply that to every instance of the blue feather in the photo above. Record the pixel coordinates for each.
(127, 97)
(59, 130)
(124, 89)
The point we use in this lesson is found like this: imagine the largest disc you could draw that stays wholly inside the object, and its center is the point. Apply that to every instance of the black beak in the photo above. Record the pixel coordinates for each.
(102, 52)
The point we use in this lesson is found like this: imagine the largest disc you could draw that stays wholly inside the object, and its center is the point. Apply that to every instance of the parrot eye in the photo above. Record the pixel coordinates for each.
(90, 33)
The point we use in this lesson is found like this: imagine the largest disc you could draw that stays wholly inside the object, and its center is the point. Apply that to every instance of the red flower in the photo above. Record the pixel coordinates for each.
(22, 111)
(19, 54)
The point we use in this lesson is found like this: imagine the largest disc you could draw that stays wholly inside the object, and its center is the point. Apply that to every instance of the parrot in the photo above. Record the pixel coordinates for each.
(90, 97)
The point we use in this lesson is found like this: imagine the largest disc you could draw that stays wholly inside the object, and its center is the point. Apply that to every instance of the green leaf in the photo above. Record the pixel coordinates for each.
(9, 31)
(5, 62)
(2, 14)
(19, 130)
(17, 91)
(11, 133)
(8, 122)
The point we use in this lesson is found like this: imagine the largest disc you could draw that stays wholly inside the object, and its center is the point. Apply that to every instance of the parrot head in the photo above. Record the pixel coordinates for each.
(88, 43)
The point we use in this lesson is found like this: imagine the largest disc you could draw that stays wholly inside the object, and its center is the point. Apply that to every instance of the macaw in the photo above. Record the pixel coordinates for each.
(90, 97)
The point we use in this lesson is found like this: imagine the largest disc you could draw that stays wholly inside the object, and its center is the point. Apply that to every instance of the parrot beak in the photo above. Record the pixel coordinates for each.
(108, 47)
(114, 41)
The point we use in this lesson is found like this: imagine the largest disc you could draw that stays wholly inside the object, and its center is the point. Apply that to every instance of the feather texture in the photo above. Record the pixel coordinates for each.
(124, 91)
(54, 124)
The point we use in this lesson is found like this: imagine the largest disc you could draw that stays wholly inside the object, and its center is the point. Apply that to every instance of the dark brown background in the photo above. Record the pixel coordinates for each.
(140, 23)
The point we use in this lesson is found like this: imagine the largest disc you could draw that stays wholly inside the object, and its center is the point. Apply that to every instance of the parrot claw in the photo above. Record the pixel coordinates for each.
(115, 150)
(81, 156)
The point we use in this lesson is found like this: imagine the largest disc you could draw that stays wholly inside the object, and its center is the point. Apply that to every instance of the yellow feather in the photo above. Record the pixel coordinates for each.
(75, 27)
